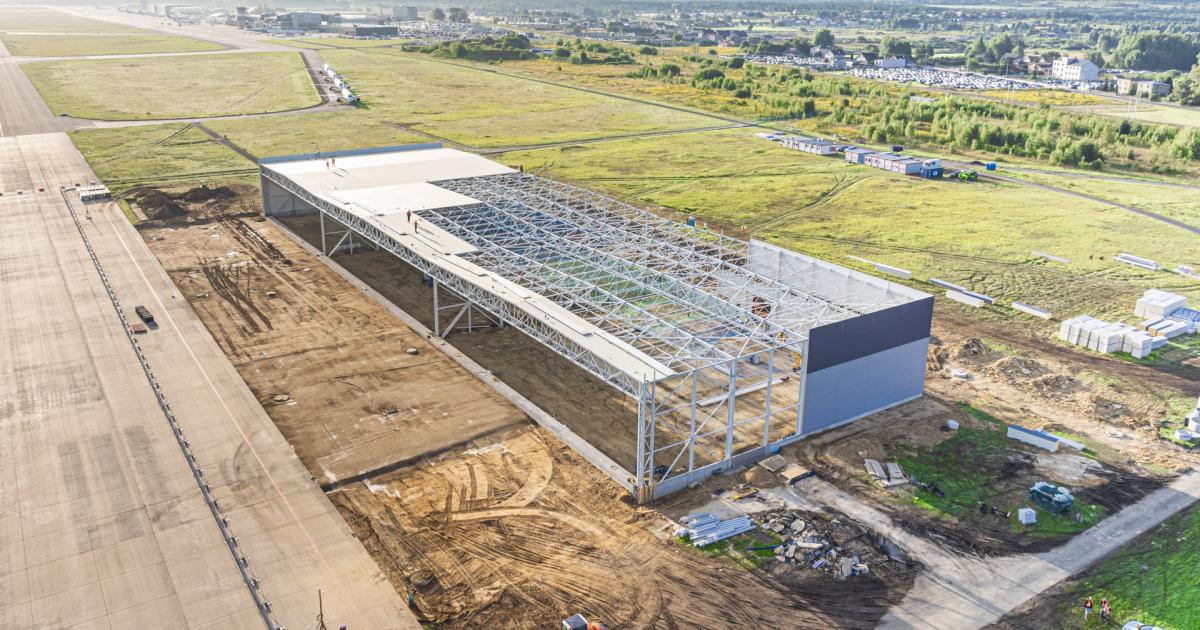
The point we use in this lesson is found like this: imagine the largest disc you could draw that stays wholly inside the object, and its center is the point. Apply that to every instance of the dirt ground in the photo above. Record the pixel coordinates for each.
(484, 518)
(524, 529)
(591, 408)
(1114, 414)
(487, 520)
(311, 347)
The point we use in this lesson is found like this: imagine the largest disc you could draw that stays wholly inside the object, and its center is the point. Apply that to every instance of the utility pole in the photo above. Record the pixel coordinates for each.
(320, 611)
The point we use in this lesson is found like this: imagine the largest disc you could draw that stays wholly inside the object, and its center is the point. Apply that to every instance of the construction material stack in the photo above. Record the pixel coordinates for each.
(704, 529)
(1101, 336)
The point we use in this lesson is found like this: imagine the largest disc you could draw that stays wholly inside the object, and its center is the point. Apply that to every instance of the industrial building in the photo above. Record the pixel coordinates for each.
(730, 348)
(375, 30)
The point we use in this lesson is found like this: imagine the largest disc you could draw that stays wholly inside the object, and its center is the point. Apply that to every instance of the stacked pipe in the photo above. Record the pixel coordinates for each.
(704, 529)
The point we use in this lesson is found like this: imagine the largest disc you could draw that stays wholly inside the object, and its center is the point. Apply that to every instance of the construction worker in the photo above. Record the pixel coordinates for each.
(1088, 604)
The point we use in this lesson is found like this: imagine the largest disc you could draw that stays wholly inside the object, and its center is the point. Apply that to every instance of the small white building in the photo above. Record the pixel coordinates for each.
(1075, 69)
(816, 146)
(858, 155)
(891, 62)
(893, 162)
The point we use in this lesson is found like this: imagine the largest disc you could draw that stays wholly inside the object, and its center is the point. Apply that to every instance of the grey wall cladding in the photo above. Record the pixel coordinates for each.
(860, 386)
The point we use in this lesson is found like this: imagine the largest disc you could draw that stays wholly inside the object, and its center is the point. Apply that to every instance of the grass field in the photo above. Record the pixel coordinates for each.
(174, 87)
(979, 234)
(38, 32)
(77, 45)
(1043, 97)
(1154, 580)
(23, 19)
(159, 154)
(480, 108)
(1146, 112)
(308, 133)
(1182, 204)
(334, 42)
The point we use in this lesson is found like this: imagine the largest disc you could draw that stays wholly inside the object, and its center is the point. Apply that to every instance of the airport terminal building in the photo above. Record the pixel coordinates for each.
(729, 348)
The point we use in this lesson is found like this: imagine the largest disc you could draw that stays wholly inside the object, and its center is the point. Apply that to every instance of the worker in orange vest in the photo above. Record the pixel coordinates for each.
(1087, 607)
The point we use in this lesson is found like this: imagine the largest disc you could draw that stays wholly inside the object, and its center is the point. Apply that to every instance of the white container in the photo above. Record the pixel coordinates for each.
(1027, 516)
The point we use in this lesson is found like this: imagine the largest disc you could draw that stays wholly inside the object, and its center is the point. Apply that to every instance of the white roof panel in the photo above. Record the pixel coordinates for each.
(325, 176)
(400, 198)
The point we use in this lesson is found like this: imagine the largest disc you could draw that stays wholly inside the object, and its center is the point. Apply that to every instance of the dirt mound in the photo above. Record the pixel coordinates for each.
(1015, 369)
(198, 203)
(935, 360)
(157, 204)
(202, 194)
(973, 350)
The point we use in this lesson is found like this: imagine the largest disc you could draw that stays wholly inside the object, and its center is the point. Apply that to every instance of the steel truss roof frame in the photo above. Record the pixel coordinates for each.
(508, 313)
(685, 297)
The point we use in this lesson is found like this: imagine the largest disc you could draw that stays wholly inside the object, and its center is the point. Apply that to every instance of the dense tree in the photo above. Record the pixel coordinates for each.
(437, 15)
(458, 15)
(893, 47)
(1156, 51)
(823, 37)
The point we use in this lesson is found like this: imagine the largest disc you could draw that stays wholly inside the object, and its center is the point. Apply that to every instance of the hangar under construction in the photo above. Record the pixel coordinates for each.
(731, 348)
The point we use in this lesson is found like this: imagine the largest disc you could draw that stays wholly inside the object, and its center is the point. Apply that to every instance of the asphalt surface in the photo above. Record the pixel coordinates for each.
(22, 110)
(103, 524)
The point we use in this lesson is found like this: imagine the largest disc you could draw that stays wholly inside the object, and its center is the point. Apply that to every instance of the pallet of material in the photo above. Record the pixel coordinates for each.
(1031, 310)
(1138, 261)
(875, 470)
(969, 300)
(1155, 303)
(895, 475)
(1034, 438)
(948, 285)
(795, 472)
(1052, 257)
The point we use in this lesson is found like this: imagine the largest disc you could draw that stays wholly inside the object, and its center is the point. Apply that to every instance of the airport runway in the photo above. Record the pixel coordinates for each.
(102, 524)
(22, 110)
(100, 519)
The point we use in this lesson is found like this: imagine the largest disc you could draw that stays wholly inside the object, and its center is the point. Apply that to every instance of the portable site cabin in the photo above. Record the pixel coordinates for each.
(815, 146)
(931, 169)
(857, 155)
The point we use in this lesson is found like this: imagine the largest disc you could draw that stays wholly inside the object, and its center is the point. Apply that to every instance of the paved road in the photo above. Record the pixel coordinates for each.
(960, 592)
(1099, 177)
(1066, 191)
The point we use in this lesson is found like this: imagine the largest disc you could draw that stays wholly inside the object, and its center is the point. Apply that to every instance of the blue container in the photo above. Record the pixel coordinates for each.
(991, 166)
(691, 222)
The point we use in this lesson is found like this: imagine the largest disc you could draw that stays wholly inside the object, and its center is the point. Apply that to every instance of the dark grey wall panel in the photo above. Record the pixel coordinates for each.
(863, 385)
(851, 339)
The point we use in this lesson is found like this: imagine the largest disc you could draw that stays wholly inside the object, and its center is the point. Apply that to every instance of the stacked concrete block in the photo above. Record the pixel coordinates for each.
(1156, 304)
(1101, 336)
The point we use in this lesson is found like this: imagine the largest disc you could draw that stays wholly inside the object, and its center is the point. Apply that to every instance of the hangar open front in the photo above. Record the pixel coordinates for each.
(729, 348)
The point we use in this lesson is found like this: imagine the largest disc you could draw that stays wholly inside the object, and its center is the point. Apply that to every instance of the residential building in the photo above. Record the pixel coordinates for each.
(1075, 69)
(1142, 87)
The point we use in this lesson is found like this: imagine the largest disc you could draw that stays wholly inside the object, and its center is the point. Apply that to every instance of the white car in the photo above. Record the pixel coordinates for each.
(1137, 625)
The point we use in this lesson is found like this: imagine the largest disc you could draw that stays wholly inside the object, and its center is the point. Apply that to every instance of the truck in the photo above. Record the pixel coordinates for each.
(144, 314)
